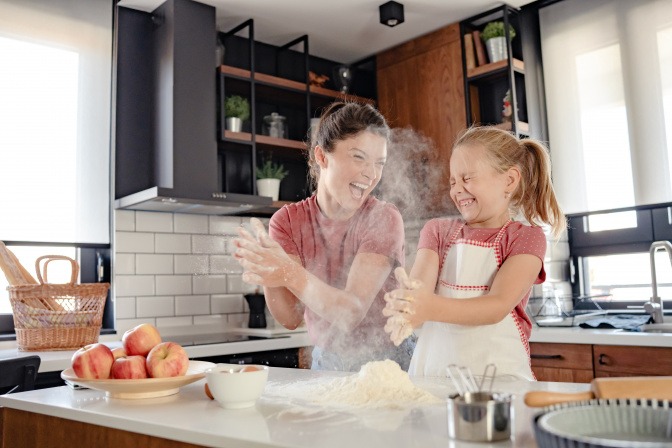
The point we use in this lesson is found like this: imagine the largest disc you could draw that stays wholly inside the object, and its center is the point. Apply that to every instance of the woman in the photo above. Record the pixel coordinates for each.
(329, 258)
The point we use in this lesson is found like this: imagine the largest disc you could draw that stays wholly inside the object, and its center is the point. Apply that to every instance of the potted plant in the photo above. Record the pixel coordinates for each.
(269, 176)
(237, 110)
(494, 36)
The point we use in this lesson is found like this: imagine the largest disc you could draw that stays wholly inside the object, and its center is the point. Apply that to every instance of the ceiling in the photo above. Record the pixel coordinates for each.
(340, 30)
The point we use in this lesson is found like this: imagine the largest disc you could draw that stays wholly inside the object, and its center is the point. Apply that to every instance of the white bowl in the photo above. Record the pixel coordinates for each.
(236, 386)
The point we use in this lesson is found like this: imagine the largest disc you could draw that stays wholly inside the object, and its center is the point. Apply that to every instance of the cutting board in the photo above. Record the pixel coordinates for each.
(647, 387)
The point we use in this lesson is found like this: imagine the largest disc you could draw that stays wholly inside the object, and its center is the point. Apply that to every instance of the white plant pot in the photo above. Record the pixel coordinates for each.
(497, 48)
(234, 124)
(268, 187)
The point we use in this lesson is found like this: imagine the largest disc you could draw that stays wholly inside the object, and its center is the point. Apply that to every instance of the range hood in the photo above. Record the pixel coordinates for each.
(157, 199)
(166, 156)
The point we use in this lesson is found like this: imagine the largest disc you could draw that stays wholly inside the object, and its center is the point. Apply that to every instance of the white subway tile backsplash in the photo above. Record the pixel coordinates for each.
(192, 305)
(172, 243)
(124, 220)
(134, 285)
(559, 250)
(122, 325)
(191, 264)
(238, 320)
(224, 264)
(237, 285)
(128, 242)
(173, 284)
(155, 306)
(124, 307)
(212, 321)
(124, 264)
(153, 264)
(153, 222)
(170, 322)
(185, 223)
(209, 284)
(227, 303)
(209, 244)
(225, 225)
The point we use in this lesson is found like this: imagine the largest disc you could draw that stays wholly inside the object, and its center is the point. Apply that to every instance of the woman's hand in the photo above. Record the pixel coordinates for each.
(401, 308)
(264, 261)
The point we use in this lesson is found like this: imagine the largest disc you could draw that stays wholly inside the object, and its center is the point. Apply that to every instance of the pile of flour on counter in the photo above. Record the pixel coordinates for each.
(379, 384)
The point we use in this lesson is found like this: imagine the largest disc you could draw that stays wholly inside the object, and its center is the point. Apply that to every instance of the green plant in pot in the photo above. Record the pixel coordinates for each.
(494, 36)
(269, 176)
(237, 110)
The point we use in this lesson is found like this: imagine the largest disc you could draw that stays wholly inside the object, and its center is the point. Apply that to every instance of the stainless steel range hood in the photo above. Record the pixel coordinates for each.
(161, 200)
(165, 115)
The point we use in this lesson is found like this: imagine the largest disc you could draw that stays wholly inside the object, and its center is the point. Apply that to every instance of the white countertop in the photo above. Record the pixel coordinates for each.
(278, 421)
(52, 361)
(577, 335)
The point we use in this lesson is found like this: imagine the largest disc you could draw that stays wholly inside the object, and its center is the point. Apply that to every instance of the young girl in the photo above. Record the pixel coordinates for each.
(472, 276)
(329, 258)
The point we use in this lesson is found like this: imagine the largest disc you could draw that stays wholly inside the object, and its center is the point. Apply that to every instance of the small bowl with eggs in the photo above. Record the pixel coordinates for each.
(236, 386)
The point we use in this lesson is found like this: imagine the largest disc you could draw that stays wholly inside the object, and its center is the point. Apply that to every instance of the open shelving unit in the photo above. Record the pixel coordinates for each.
(487, 84)
(273, 79)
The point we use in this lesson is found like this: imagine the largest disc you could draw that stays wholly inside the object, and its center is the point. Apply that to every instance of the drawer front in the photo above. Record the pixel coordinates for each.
(617, 360)
(563, 356)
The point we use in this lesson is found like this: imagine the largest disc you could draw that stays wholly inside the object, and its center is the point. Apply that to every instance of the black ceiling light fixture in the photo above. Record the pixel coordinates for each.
(391, 13)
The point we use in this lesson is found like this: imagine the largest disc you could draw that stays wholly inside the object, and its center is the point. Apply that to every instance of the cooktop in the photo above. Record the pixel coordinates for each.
(221, 338)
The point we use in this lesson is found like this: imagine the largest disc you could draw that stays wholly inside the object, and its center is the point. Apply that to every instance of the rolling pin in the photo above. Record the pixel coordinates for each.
(646, 387)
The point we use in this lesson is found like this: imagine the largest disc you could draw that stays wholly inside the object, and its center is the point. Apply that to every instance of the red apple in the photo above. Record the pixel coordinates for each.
(119, 352)
(140, 340)
(167, 359)
(93, 361)
(129, 368)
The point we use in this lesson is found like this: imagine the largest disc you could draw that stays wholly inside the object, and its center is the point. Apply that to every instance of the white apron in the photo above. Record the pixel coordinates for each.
(468, 271)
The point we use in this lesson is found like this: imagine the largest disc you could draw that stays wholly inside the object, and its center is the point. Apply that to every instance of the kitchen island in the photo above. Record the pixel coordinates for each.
(63, 417)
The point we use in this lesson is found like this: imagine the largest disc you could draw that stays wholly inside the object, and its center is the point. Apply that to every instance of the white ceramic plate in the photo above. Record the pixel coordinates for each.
(142, 388)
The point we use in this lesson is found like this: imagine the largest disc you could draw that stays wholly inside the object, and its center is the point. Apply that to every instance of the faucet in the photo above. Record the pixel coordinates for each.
(655, 306)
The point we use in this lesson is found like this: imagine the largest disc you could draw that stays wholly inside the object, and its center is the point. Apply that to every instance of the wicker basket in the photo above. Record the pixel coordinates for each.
(57, 316)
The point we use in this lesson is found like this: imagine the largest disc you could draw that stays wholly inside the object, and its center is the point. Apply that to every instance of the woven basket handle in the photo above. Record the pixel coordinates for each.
(43, 272)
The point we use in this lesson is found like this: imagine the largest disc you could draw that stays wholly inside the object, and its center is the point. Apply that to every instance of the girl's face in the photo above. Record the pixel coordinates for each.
(349, 173)
(478, 190)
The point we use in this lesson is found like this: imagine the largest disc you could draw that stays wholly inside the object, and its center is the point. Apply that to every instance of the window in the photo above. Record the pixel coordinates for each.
(608, 84)
(55, 85)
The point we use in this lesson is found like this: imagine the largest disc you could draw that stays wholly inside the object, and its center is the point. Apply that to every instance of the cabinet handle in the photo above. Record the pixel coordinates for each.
(601, 360)
(533, 356)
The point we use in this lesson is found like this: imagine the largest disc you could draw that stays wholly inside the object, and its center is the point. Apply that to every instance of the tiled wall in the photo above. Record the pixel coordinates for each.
(176, 270)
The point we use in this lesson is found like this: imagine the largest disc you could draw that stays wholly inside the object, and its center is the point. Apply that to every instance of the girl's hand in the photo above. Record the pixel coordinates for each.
(401, 308)
(264, 261)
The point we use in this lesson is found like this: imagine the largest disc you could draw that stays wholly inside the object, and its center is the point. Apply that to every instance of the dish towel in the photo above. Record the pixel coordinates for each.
(628, 322)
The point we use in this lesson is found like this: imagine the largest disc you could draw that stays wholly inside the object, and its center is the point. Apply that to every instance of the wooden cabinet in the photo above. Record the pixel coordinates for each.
(562, 362)
(420, 85)
(580, 363)
(618, 360)
(275, 79)
(489, 82)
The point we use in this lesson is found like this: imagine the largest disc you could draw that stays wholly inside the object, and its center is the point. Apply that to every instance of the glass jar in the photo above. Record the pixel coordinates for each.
(274, 125)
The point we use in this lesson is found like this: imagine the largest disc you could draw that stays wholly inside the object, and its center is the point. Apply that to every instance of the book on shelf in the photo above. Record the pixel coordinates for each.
(469, 56)
(480, 48)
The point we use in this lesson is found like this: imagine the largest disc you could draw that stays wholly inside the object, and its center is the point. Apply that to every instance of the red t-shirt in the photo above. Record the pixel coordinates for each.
(327, 249)
(517, 239)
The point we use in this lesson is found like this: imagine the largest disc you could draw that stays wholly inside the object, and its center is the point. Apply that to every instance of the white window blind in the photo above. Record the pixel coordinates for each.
(608, 77)
(55, 90)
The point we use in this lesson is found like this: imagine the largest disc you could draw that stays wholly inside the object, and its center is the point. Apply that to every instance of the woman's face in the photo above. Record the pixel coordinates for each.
(477, 189)
(349, 173)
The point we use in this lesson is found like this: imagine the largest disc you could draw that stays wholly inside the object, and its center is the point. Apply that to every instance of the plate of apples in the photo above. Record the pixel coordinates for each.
(143, 367)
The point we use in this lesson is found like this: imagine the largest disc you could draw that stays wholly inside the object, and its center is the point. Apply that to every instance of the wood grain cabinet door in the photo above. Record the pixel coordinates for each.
(619, 360)
(571, 363)
(421, 86)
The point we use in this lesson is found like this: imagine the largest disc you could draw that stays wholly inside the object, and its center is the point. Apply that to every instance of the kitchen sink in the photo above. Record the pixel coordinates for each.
(657, 328)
